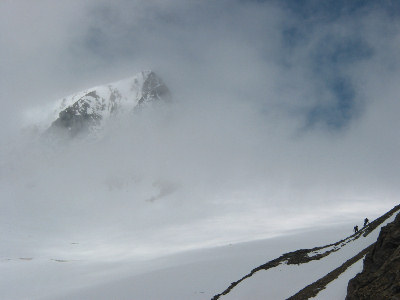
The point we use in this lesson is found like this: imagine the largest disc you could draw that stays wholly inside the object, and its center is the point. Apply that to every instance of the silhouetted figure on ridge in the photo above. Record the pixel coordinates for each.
(356, 229)
(366, 221)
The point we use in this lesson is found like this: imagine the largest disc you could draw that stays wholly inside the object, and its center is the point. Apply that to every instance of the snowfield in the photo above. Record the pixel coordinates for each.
(197, 274)
(284, 280)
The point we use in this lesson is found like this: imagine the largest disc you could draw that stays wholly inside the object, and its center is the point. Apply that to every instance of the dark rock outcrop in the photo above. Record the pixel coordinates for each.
(380, 278)
(154, 89)
(78, 117)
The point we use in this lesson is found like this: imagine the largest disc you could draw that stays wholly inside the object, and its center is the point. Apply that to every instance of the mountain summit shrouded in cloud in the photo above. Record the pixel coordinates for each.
(90, 109)
(284, 119)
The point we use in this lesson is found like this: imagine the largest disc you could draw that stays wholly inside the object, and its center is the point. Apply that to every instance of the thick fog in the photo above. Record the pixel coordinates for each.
(283, 117)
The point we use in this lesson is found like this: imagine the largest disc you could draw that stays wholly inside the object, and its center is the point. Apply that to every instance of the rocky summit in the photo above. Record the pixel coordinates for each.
(87, 110)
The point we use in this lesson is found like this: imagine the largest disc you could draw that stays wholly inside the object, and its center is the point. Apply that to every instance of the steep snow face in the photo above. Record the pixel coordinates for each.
(90, 109)
(283, 277)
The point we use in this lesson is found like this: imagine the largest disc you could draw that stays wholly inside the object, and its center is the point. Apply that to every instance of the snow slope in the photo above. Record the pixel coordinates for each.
(337, 289)
(194, 275)
(285, 276)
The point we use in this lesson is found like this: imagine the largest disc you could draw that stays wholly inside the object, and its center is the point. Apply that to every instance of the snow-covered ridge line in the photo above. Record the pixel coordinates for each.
(130, 88)
(380, 275)
(89, 110)
(304, 256)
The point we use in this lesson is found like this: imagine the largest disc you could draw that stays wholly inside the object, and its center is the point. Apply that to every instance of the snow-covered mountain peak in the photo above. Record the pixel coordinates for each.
(89, 109)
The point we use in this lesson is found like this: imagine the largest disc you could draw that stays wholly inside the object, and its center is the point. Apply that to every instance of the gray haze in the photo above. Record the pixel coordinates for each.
(283, 116)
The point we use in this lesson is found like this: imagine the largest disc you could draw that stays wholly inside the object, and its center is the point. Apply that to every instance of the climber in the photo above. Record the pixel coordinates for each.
(366, 221)
(356, 229)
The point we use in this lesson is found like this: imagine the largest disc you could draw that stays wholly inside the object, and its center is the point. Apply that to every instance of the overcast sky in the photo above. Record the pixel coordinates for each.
(277, 104)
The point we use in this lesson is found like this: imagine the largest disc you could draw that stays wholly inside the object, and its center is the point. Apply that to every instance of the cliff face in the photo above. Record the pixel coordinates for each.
(380, 278)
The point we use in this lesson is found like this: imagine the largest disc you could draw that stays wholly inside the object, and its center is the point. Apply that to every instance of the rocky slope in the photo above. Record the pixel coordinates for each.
(380, 278)
(313, 270)
(88, 110)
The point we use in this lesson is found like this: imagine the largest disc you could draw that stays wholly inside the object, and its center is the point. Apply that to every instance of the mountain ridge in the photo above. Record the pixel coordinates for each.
(380, 277)
(304, 256)
(88, 110)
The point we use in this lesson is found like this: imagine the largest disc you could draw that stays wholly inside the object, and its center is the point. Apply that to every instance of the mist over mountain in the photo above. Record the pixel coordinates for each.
(258, 119)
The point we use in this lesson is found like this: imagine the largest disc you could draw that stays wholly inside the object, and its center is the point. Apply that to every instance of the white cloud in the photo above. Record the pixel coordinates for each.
(234, 140)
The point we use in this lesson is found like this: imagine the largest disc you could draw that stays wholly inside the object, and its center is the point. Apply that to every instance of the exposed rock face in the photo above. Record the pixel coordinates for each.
(380, 278)
(153, 88)
(79, 116)
(87, 110)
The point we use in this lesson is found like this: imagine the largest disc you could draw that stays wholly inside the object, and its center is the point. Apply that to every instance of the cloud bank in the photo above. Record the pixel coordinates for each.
(283, 116)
